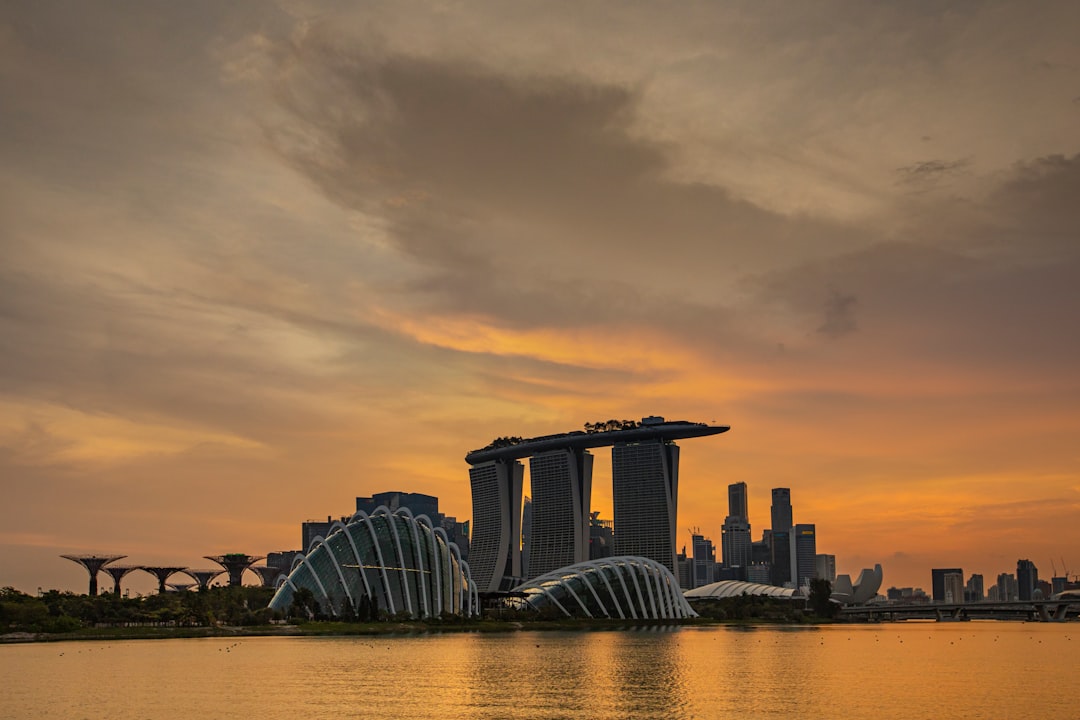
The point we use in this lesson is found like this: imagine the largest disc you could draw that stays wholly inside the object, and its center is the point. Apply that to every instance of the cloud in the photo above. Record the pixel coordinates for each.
(839, 315)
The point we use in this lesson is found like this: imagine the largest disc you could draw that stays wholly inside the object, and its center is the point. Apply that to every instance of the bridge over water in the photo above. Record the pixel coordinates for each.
(1031, 610)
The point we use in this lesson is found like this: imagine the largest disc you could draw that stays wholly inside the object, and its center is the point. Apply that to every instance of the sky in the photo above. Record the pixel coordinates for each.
(257, 259)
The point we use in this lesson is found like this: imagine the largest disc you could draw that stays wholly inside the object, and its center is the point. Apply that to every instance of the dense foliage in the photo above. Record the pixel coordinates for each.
(56, 611)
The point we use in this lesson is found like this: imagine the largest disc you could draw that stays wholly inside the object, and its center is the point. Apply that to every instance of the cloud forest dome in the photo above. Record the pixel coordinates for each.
(624, 587)
(386, 560)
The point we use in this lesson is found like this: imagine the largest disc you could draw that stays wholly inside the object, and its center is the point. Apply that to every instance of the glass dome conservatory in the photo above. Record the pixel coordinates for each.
(390, 561)
(625, 587)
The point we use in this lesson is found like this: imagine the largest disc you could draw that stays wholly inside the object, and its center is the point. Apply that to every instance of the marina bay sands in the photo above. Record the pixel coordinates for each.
(645, 483)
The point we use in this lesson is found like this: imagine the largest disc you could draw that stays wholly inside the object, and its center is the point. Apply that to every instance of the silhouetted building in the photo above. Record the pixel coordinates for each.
(803, 541)
(561, 482)
(761, 551)
(645, 495)
(1007, 588)
(312, 529)
(1027, 579)
(736, 546)
(418, 504)
(496, 539)
(825, 567)
(781, 509)
(954, 587)
(780, 561)
(937, 580)
(973, 591)
(686, 569)
(704, 560)
(526, 535)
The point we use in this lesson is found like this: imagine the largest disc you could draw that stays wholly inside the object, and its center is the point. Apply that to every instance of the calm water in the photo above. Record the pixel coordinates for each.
(925, 670)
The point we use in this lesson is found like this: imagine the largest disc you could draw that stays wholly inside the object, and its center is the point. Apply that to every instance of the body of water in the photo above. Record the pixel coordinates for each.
(920, 670)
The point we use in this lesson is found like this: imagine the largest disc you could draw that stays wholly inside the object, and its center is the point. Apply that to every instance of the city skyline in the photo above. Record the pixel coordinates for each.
(259, 258)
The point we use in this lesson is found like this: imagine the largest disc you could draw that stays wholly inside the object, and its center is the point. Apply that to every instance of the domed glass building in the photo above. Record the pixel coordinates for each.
(390, 561)
(626, 587)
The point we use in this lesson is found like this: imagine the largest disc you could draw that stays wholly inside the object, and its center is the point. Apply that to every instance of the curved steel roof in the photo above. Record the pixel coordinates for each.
(735, 588)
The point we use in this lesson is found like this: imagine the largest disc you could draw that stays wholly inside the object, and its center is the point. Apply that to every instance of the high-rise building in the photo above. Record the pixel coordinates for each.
(973, 591)
(686, 570)
(311, 529)
(645, 490)
(825, 567)
(736, 546)
(704, 560)
(937, 579)
(803, 541)
(1027, 579)
(737, 503)
(781, 509)
(496, 542)
(1007, 587)
(417, 503)
(780, 561)
(561, 488)
(953, 584)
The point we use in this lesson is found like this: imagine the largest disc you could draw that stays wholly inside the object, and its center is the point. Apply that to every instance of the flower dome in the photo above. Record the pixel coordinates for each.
(387, 560)
(626, 587)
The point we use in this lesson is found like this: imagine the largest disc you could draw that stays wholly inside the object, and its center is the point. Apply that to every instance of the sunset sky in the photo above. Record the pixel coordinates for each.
(257, 259)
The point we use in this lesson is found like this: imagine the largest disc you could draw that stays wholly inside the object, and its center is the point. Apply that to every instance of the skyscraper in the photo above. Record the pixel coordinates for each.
(803, 541)
(780, 561)
(736, 546)
(561, 487)
(1027, 579)
(737, 504)
(496, 542)
(781, 509)
(937, 579)
(973, 591)
(645, 489)
(704, 560)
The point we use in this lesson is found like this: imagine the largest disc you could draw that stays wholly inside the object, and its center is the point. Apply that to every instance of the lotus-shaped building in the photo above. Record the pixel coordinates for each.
(386, 560)
(624, 587)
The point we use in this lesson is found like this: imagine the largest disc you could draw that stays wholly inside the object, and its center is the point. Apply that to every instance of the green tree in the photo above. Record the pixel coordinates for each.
(819, 600)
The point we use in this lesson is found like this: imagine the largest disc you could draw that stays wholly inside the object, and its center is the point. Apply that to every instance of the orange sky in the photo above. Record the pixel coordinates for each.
(257, 259)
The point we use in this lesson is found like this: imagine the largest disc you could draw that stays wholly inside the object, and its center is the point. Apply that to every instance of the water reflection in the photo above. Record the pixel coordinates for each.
(954, 670)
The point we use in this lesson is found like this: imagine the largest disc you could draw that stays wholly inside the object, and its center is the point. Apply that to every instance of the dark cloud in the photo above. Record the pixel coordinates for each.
(930, 174)
(527, 197)
(839, 315)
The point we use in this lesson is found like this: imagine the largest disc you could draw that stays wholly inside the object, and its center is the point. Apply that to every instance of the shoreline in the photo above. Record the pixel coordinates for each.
(341, 629)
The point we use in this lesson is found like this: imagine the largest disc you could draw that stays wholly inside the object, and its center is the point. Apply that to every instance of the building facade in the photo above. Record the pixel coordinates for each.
(561, 483)
(645, 489)
(496, 541)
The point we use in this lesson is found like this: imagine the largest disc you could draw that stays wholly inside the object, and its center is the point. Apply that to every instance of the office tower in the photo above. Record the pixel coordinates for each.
(686, 570)
(1027, 579)
(311, 529)
(780, 560)
(417, 503)
(561, 487)
(825, 567)
(737, 504)
(704, 560)
(736, 546)
(496, 543)
(761, 574)
(1007, 587)
(803, 542)
(781, 509)
(973, 591)
(937, 579)
(953, 583)
(645, 490)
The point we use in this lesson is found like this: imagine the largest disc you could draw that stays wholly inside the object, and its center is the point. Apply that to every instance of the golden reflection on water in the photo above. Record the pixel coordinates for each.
(953, 670)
